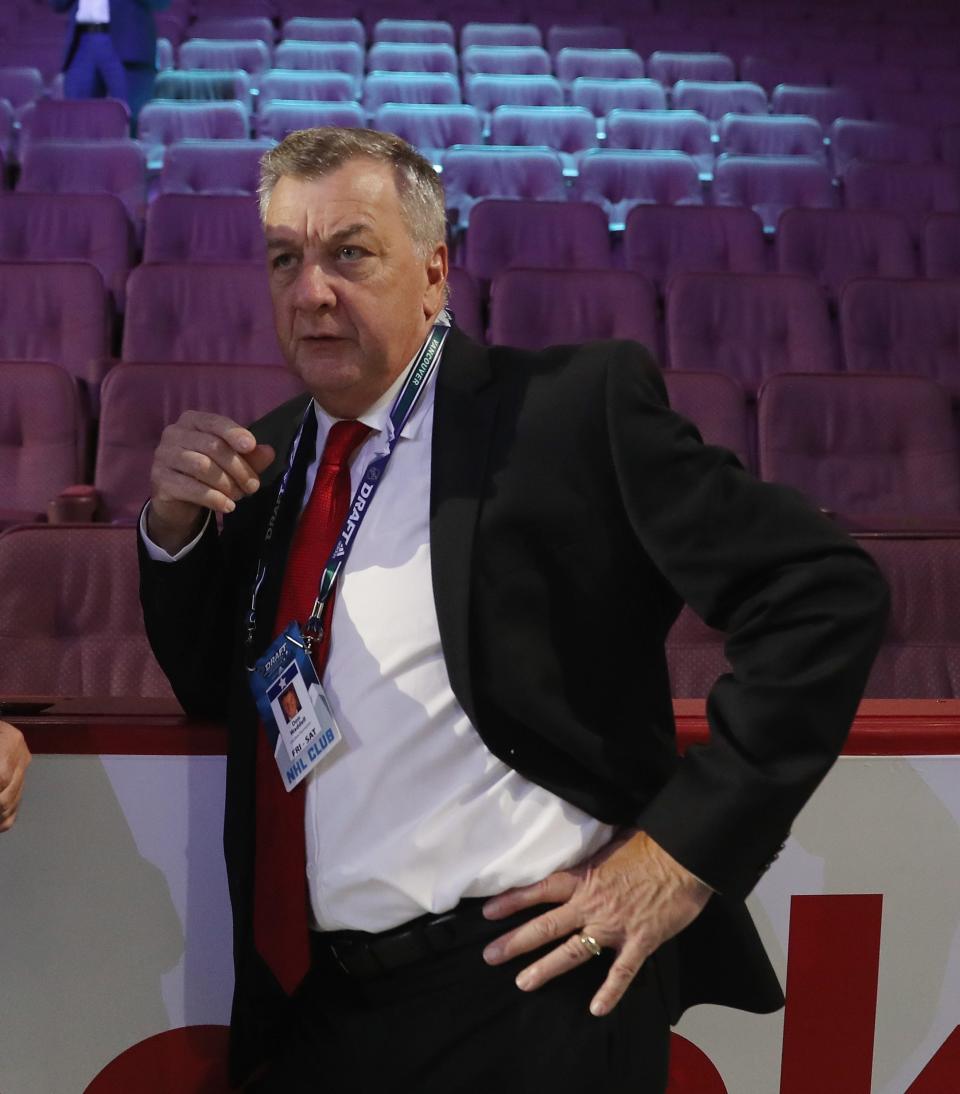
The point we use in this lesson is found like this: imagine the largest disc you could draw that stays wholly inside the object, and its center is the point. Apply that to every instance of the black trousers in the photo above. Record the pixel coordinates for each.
(453, 1025)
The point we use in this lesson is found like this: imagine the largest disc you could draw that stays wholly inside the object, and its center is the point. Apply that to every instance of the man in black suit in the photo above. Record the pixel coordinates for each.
(566, 514)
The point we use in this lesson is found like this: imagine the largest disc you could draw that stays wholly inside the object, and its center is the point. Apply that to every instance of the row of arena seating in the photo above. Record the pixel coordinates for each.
(70, 620)
(615, 179)
(830, 246)
(747, 326)
(880, 452)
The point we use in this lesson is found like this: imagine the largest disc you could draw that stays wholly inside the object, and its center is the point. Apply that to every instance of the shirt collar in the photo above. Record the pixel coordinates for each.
(377, 415)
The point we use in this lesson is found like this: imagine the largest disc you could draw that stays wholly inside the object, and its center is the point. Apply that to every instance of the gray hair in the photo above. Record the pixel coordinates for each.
(314, 153)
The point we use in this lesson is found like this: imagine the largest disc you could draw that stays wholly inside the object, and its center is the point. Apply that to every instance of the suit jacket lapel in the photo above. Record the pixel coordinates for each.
(464, 408)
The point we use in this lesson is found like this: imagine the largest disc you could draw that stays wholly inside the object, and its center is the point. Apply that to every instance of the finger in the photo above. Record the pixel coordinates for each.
(261, 458)
(622, 973)
(555, 889)
(563, 959)
(205, 470)
(532, 935)
(176, 440)
(11, 790)
(177, 486)
(235, 435)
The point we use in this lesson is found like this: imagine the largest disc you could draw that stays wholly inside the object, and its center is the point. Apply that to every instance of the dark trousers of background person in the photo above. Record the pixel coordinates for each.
(450, 1024)
(96, 71)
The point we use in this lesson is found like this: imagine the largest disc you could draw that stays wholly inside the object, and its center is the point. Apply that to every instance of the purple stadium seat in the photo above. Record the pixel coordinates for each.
(74, 119)
(251, 55)
(20, 85)
(836, 245)
(904, 326)
(414, 30)
(471, 173)
(771, 135)
(487, 92)
(91, 228)
(204, 86)
(716, 405)
(602, 96)
(303, 29)
(925, 55)
(438, 88)
(54, 311)
(88, 167)
(321, 57)
(914, 189)
(920, 655)
(826, 104)
(663, 240)
(533, 234)
(40, 438)
(876, 448)
(537, 308)
(466, 302)
(584, 37)
(713, 100)
(162, 123)
(212, 167)
(935, 109)
(164, 54)
(506, 61)
(204, 228)
(768, 72)
(430, 128)
(878, 142)
(598, 64)
(325, 87)
(941, 245)
(668, 68)
(233, 28)
(283, 116)
(139, 400)
(662, 131)
(749, 326)
(500, 34)
(694, 656)
(566, 129)
(412, 57)
(617, 180)
(70, 619)
(770, 184)
(196, 312)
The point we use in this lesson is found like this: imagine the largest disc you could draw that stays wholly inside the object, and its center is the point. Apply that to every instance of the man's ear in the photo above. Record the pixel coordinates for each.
(436, 266)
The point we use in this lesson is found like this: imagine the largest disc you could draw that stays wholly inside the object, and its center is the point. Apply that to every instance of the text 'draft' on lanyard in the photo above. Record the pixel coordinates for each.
(415, 382)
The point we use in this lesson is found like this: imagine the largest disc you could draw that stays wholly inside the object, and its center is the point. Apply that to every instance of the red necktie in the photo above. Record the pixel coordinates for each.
(280, 892)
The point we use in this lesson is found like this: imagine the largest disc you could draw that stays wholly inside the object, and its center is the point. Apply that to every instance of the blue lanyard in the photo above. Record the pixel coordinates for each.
(415, 383)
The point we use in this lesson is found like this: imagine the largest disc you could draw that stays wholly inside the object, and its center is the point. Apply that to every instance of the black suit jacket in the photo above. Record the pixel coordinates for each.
(572, 512)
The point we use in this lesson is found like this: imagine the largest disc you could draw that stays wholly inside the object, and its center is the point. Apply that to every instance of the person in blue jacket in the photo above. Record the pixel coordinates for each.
(111, 49)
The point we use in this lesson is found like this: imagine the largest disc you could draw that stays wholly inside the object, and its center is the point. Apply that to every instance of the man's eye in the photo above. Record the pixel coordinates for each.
(282, 261)
(351, 254)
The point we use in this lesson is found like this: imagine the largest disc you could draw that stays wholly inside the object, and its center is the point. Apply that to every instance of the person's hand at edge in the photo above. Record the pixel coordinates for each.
(14, 760)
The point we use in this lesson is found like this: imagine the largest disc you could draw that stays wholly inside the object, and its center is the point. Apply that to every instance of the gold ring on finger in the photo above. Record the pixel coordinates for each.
(590, 944)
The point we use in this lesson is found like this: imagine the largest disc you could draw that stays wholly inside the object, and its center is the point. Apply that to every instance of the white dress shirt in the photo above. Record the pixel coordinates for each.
(413, 811)
(93, 11)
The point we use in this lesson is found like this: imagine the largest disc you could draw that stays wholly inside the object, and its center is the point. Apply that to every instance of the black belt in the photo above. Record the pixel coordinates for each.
(363, 954)
(93, 28)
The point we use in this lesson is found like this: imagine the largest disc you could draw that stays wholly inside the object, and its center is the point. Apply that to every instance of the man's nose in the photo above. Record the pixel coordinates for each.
(314, 287)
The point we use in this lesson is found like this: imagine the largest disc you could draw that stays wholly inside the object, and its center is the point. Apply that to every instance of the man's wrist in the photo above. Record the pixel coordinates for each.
(172, 536)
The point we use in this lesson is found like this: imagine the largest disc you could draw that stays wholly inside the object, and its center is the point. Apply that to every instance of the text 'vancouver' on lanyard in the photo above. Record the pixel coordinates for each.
(418, 375)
